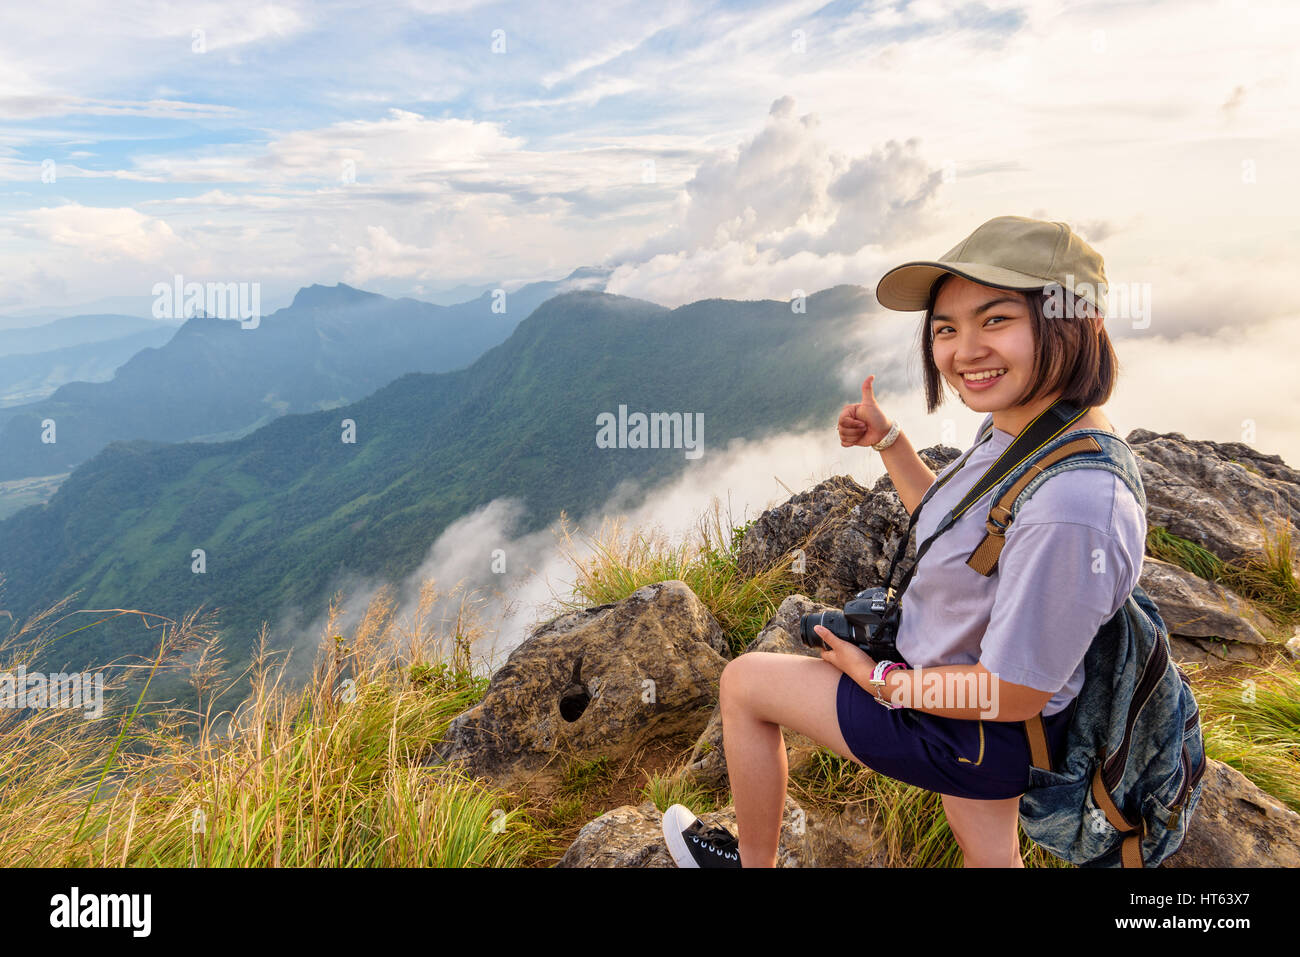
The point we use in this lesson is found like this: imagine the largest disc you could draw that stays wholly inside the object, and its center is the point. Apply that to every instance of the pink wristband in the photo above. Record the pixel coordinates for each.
(882, 674)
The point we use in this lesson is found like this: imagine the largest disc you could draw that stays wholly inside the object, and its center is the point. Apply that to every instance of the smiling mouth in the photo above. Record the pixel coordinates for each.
(983, 377)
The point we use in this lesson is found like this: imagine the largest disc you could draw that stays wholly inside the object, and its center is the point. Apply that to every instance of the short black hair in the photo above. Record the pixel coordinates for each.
(1071, 355)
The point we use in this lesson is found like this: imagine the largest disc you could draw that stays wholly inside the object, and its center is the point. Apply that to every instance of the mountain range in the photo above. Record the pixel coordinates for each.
(35, 362)
(367, 487)
(214, 379)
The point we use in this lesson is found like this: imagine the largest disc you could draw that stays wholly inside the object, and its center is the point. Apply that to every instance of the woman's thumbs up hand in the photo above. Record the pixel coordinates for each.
(863, 423)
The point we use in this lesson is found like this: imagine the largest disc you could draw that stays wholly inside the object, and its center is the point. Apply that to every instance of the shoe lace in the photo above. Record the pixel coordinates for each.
(717, 839)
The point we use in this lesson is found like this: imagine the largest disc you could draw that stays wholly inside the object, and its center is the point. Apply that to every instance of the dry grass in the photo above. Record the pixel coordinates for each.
(327, 775)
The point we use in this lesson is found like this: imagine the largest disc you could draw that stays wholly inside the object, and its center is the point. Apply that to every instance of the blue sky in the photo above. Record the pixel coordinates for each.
(703, 149)
(410, 147)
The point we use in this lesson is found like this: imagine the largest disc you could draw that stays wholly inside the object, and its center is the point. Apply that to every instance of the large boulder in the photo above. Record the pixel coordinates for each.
(1215, 494)
(604, 681)
(1205, 620)
(1236, 824)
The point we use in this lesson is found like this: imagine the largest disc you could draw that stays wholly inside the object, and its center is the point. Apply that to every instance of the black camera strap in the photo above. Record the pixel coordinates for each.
(1046, 426)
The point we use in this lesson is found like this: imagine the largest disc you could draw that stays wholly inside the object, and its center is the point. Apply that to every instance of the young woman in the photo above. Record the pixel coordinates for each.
(1005, 331)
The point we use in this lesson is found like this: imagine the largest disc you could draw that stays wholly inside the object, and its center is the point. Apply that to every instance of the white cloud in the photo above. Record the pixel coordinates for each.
(103, 234)
(1165, 133)
(397, 149)
(783, 212)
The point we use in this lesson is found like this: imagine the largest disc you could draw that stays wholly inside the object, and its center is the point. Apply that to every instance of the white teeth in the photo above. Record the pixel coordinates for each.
(984, 375)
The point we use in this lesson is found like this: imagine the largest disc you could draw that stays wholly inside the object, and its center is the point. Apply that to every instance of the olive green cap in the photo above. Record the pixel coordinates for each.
(1007, 252)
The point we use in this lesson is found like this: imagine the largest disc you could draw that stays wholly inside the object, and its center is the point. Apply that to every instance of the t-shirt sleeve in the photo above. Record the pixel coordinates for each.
(1058, 581)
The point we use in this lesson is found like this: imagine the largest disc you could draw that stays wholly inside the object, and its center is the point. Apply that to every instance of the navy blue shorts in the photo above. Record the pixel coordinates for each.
(966, 758)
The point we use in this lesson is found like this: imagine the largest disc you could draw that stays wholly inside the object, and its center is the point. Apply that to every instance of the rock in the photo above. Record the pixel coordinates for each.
(633, 837)
(708, 762)
(1210, 493)
(1235, 824)
(1293, 645)
(848, 534)
(624, 837)
(604, 681)
(1195, 610)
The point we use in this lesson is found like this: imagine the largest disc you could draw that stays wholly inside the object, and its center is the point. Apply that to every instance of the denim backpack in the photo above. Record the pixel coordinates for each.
(1128, 783)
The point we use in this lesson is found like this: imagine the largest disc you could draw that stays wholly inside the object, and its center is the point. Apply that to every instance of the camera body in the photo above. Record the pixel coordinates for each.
(868, 621)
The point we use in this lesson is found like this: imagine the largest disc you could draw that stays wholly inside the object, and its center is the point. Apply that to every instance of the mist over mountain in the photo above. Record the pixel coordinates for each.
(215, 379)
(78, 330)
(28, 377)
(366, 488)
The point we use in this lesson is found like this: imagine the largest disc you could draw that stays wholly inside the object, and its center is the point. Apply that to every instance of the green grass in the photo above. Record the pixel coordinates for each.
(666, 790)
(581, 776)
(616, 567)
(1252, 723)
(911, 821)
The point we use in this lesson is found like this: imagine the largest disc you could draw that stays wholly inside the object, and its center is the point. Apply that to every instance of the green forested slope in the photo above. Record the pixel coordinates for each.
(280, 511)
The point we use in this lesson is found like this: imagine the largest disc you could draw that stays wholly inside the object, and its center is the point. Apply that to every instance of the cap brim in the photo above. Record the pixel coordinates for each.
(906, 288)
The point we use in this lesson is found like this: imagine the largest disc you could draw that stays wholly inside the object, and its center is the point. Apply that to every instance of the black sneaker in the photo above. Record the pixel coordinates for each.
(694, 845)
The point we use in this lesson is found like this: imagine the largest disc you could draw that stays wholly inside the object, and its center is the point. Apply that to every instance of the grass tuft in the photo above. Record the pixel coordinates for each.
(325, 775)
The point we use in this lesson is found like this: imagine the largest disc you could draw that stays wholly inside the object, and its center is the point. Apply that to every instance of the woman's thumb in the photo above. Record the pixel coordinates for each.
(867, 394)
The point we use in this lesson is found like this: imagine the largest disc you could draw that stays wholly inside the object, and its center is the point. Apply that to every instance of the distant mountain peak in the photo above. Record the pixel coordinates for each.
(590, 272)
(340, 294)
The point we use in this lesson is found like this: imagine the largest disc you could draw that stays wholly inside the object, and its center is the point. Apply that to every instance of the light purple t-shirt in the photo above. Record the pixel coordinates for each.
(1071, 559)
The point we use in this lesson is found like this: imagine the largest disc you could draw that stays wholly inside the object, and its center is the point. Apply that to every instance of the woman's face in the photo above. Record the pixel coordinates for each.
(978, 328)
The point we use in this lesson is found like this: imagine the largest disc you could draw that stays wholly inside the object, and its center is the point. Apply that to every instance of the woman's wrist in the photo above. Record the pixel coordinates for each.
(884, 693)
(890, 437)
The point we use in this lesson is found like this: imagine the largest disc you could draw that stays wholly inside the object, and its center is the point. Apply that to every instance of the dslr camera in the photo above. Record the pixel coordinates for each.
(868, 621)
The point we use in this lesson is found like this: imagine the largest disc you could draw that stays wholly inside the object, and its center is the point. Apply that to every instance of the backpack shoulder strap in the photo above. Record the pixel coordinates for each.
(985, 557)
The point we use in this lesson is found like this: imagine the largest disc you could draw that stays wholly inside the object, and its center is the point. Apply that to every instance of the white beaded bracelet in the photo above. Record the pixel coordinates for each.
(890, 437)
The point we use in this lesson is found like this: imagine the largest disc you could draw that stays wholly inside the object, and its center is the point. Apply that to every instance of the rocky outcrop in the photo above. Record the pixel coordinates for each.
(1217, 495)
(605, 681)
(1235, 824)
(847, 534)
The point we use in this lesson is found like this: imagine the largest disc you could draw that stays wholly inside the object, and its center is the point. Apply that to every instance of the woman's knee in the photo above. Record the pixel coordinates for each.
(736, 677)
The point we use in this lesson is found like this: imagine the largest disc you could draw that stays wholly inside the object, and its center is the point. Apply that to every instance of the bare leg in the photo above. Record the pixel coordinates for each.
(757, 767)
(986, 831)
(760, 693)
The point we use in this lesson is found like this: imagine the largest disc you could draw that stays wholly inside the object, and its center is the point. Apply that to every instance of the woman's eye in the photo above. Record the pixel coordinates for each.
(989, 320)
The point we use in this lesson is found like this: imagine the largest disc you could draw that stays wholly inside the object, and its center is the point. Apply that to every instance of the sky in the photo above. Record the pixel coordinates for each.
(736, 150)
